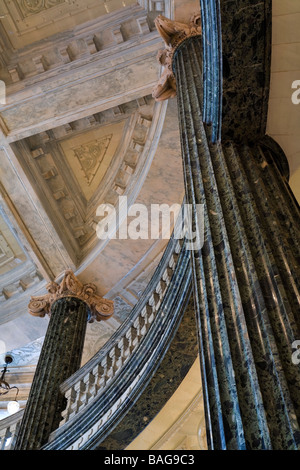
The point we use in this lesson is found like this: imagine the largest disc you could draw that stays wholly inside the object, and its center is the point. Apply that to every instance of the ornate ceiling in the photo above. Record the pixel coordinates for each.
(28, 21)
(80, 128)
(78, 166)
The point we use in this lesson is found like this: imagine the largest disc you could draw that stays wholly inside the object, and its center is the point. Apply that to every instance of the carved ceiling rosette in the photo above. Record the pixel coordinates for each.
(173, 33)
(70, 286)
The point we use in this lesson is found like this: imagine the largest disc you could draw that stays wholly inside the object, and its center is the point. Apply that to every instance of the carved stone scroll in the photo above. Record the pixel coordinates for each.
(173, 33)
(70, 286)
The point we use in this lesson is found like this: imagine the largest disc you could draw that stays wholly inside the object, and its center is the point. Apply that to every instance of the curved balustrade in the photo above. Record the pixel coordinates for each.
(109, 384)
(9, 428)
(103, 390)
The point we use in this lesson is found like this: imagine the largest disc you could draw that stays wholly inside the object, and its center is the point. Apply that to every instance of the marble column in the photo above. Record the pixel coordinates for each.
(246, 275)
(70, 306)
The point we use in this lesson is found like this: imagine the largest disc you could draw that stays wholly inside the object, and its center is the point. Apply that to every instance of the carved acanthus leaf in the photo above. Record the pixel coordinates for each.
(173, 33)
(70, 286)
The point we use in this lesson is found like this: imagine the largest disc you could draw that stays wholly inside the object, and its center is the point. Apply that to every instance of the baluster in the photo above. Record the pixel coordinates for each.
(109, 371)
(118, 358)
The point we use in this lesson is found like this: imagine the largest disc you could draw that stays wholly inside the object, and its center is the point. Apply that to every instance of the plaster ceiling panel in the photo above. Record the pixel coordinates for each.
(89, 155)
(28, 21)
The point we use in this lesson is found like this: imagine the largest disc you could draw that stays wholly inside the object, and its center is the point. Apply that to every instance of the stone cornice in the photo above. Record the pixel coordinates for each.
(70, 286)
(173, 33)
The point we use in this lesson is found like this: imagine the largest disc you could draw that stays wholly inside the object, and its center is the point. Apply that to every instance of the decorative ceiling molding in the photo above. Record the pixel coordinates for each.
(15, 289)
(128, 51)
(54, 177)
(28, 21)
(156, 7)
(74, 48)
(77, 95)
(6, 254)
(18, 281)
(51, 252)
(29, 220)
(90, 156)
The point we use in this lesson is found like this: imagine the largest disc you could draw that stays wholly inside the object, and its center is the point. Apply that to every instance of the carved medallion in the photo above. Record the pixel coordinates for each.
(31, 7)
(91, 155)
(70, 286)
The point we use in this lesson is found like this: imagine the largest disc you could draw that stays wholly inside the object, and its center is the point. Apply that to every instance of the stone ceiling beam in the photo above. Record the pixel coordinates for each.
(107, 88)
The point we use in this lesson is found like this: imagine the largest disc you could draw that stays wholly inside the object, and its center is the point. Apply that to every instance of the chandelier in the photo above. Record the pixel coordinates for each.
(12, 406)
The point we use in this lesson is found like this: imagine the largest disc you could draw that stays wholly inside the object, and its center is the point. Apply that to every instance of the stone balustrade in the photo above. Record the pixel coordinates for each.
(98, 373)
(99, 393)
(117, 374)
(9, 428)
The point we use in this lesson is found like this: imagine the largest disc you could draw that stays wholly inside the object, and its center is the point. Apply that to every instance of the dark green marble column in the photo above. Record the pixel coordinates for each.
(60, 358)
(246, 276)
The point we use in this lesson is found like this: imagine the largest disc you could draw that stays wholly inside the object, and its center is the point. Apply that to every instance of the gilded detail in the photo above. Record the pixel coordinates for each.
(70, 286)
(173, 33)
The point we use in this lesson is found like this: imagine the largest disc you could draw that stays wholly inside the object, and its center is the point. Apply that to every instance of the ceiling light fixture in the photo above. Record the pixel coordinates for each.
(12, 406)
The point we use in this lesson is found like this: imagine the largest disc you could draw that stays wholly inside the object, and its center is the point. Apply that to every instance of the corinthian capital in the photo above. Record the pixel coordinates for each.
(173, 33)
(70, 286)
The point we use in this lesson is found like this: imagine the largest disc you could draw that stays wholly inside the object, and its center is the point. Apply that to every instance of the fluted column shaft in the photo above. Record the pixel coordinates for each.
(246, 277)
(59, 359)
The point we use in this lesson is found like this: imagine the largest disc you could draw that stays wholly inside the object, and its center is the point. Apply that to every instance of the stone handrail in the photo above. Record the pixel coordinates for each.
(109, 360)
(127, 361)
(113, 379)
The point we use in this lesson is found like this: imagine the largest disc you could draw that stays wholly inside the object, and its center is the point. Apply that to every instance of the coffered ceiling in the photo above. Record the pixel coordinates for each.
(27, 21)
(80, 128)
(78, 166)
